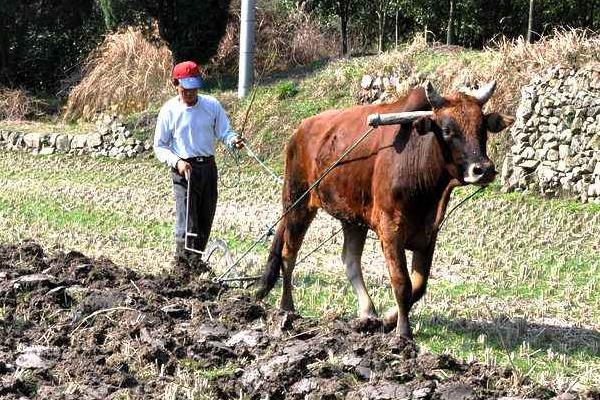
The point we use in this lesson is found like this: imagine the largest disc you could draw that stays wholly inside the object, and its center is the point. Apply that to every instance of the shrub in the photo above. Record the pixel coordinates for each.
(286, 90)
(18, 104)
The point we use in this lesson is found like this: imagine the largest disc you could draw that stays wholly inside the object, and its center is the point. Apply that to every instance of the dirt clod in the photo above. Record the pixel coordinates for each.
(72, 327)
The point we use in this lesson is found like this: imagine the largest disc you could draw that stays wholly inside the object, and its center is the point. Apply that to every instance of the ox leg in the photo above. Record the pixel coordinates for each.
(419, 276)
(296, 225)
(393, 250)
(354, 242)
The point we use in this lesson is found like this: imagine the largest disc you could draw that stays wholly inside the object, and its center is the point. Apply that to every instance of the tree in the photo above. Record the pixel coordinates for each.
(343, 9)
(382, 8)
(191, 28)
(120, 12)
(41, 41)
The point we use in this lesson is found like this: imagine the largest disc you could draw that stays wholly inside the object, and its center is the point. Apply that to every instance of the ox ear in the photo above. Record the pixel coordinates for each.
(496, 122)
(423, 125)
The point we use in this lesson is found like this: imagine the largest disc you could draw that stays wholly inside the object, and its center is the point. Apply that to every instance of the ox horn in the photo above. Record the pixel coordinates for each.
(433, 96)
(484, 93)
(396, 118)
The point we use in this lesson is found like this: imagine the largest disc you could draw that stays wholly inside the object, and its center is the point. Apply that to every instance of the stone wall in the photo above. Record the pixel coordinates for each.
(381, 88)
(110, 138)
(556, 136)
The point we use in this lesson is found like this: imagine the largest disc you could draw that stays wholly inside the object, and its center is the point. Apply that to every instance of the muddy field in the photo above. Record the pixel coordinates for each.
(76, 328)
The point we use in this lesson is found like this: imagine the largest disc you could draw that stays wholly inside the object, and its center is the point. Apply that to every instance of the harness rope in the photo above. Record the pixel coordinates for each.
(290, 208)
(269, 231)
(319, 246)
(481, 188)
(262, 164)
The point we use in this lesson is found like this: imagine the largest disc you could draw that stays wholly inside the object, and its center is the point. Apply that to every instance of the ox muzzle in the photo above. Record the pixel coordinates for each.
(480, 173)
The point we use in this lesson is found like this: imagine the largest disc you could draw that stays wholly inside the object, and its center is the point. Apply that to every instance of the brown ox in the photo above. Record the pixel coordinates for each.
(397, 183)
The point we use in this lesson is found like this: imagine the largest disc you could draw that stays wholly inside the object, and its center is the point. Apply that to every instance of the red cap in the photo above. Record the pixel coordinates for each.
(188, 75)
(185, 69)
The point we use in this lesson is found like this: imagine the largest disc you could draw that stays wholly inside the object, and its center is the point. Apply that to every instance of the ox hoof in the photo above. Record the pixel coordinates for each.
(261, 292)
(366, 324)
(283, 320)
(389, 324)
(389, 327)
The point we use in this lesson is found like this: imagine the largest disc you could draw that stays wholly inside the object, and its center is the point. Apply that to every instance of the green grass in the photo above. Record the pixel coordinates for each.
(286, 90)
(429, 62)
(83, 217)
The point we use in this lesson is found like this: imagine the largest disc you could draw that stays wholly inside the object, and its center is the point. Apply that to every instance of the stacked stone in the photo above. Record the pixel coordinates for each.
(556, 136)
(383, 88)
(110, 139)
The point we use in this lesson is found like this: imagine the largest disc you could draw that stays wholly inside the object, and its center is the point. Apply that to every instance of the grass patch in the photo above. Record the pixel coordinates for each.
(429, 62)
(286, 90)
(211, 374)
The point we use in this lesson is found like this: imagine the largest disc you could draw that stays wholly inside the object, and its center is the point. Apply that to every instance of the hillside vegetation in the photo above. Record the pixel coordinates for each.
(129, 76)
(281, 100)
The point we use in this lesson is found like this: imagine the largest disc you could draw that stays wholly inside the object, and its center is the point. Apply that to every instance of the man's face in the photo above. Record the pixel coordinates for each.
(189, 96)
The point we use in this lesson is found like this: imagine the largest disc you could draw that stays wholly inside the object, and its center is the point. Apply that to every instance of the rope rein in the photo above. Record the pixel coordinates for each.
(251, 153)
(270, 229)
(449, 213)
(294, 205)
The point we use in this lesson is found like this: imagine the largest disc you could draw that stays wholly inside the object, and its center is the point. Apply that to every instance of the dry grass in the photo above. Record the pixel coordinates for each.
(512, 63)
(18, 104)
(125, 74)
(519, 61)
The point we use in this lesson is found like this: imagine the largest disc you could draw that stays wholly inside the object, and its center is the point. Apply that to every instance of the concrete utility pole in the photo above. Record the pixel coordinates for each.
(530, 22)
(246, 48)
(449, 36)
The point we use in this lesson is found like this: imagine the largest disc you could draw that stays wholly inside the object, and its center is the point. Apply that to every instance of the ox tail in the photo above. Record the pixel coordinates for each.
(274, 263)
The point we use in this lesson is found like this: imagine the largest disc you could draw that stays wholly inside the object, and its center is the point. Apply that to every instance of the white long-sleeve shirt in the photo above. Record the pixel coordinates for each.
(184, 132)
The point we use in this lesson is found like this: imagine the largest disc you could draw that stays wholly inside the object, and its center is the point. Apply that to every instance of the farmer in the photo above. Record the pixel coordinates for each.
(184, 140)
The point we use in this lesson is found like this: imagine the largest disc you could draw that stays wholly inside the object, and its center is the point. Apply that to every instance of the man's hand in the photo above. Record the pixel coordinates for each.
(184, 168)
(238, 142)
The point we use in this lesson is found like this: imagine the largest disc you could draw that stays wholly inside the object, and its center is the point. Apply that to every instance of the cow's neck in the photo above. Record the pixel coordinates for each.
(422, 171)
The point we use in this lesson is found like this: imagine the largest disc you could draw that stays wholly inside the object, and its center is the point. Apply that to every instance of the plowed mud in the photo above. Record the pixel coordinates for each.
(72, 327)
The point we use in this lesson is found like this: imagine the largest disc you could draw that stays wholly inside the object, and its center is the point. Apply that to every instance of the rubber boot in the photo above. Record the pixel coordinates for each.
(181, 256)
(195, 259)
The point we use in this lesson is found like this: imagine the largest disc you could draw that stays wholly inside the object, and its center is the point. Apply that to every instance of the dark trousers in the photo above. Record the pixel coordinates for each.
(203, 203)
